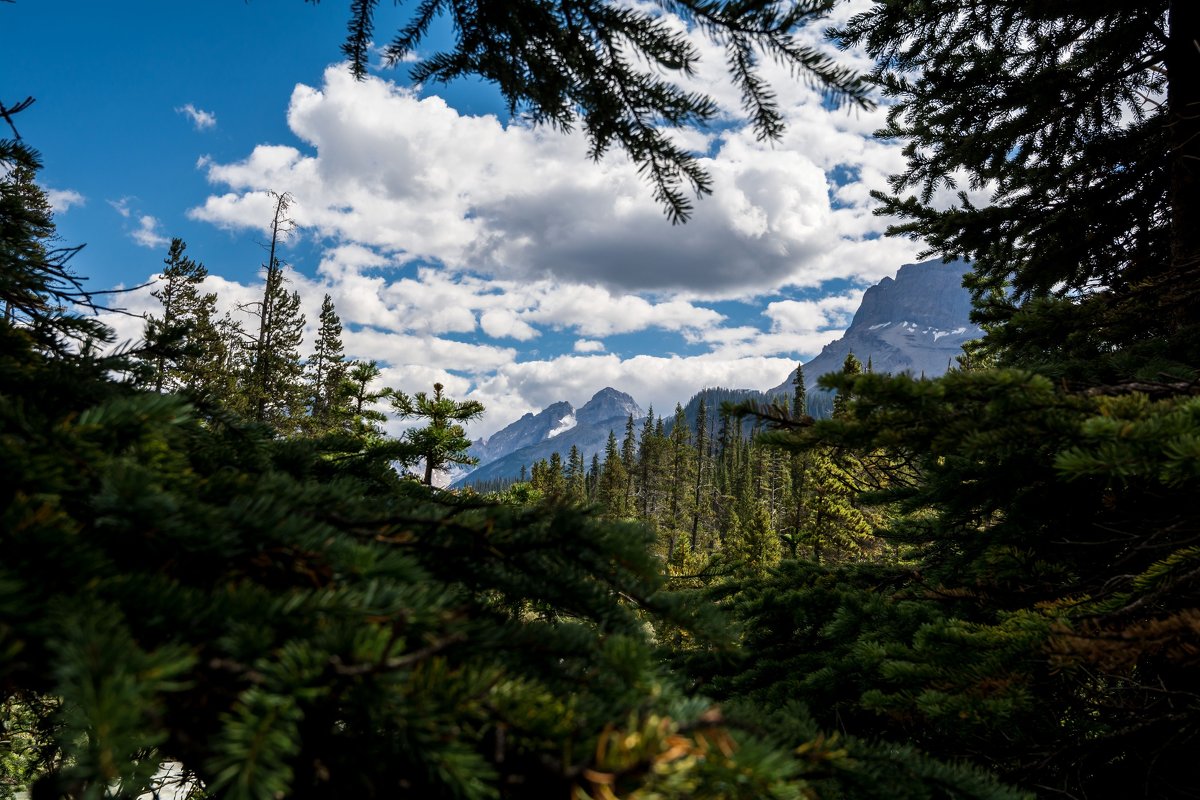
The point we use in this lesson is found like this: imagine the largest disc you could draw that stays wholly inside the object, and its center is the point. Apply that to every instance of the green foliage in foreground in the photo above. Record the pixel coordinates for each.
(1042, 616)
(291, 618)
(288, 618)
(1042, 621)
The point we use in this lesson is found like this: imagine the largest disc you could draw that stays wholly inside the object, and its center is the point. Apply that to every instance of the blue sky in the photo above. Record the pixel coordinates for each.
(458, 245)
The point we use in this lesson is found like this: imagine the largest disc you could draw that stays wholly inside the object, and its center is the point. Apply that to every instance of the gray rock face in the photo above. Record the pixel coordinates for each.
(606, 404)
(529, 429)
(915, 323)
(555, 429)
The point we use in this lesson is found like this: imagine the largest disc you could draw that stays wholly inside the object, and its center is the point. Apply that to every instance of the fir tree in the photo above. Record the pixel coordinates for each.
(629, 462)
(679, 480)
(576, 477)
(1037, 622)
(325, 374)
(593, 479)
(799, 466)
(752, 539)
(184, 339)
(700, 473)
(1089, 154)
(442, 441)
(647, 466)
(365, 419)
(841, 404)
(37, 282)
(273, 389)
(554, 480)
(610, 489)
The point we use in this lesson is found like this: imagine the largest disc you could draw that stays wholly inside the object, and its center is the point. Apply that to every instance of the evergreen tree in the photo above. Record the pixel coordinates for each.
(593, 479)
(208, 366)
(325, 373)
(1038, 620)
(37, 282)
(442, 441)
(537, 476)
(273, 388)
(679, 463)
(752, 539)
(183, 342)
(700, 471)
(576, 477)
(647, 466)
(1089, 153)
(610, 489)
(841, 404)
(556, 482)
(365, 419)
(799, 466)
(629, 462)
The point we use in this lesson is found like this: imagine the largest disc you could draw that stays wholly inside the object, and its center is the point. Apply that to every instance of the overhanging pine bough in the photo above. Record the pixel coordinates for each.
(607, 66)
(1081, 120)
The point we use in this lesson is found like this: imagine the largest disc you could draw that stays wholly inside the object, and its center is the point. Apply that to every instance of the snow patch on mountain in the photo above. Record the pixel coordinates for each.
(956, 332)
(565, 424)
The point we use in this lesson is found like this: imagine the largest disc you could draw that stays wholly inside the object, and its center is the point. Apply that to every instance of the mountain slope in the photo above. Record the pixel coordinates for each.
(529, 429)
(915, 323)
(543, 434)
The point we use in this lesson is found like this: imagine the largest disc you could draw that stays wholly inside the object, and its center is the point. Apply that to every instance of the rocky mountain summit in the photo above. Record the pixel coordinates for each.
(915, 323)
(606, 405)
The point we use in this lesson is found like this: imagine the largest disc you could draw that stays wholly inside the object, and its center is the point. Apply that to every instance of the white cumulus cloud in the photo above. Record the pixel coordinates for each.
(383, 167)
(454, 243)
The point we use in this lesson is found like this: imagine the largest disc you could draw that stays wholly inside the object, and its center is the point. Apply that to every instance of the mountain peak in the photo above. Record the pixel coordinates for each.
(606, 404)
(915, 322)
(929, 293)
(558, 429)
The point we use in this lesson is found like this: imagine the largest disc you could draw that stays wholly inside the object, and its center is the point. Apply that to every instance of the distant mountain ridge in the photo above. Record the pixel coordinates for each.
(554, 429)
(916, 322)
(529, 429)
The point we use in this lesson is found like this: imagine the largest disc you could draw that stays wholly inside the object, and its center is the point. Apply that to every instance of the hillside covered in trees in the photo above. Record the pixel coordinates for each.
(985, 585)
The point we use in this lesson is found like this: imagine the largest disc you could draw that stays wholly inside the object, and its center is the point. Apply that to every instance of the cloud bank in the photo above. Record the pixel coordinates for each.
(499, 260)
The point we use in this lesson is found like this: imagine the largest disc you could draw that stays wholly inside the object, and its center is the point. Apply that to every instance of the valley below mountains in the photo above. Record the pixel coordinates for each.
(916, 322)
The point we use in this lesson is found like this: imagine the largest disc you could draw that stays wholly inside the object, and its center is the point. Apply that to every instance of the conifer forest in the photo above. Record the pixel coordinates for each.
(220, 576)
